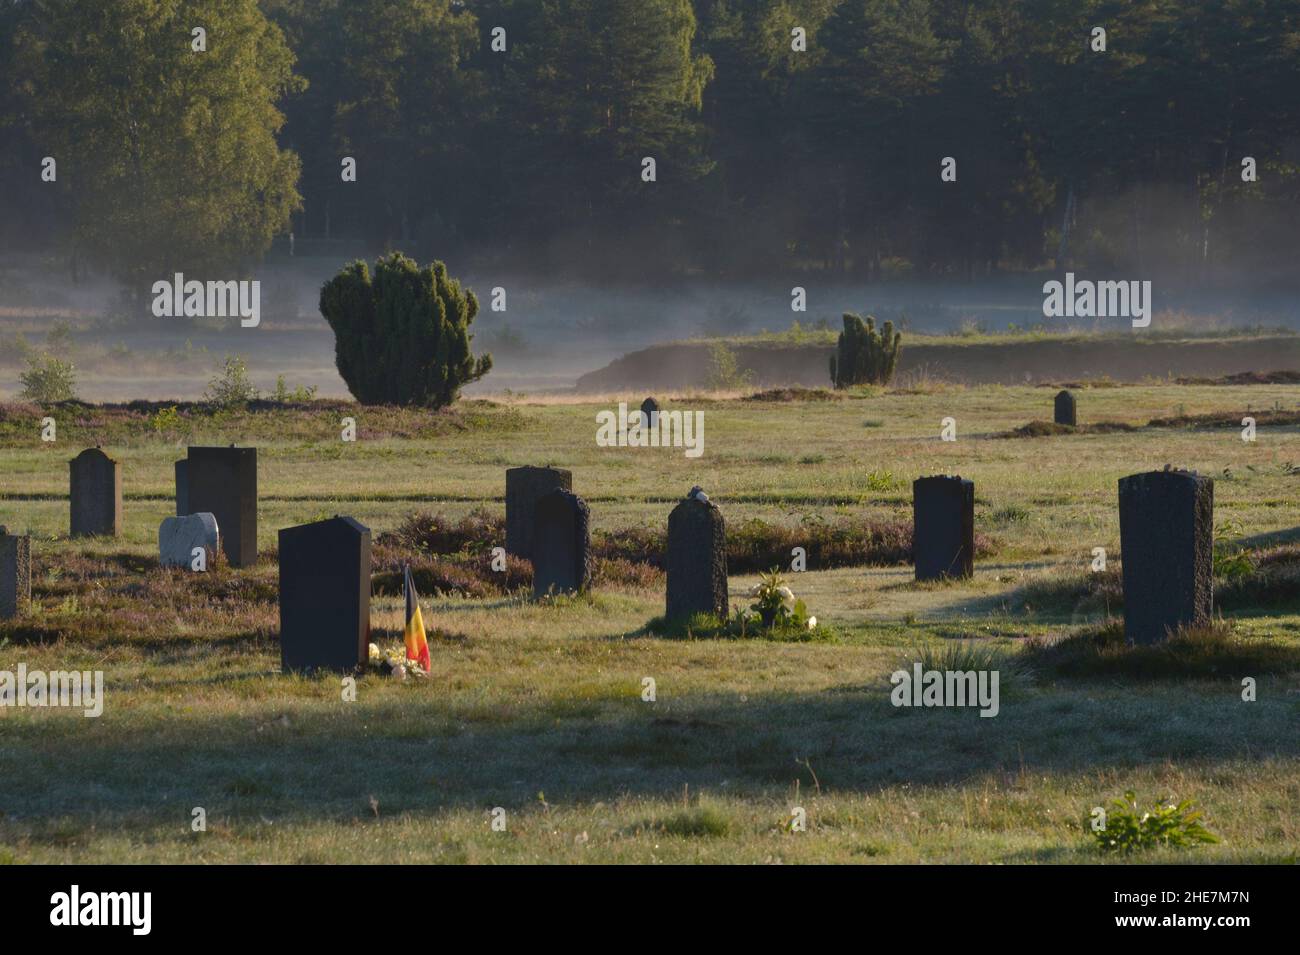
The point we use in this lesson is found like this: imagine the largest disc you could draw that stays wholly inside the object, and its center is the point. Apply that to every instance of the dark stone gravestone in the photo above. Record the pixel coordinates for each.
(697, 558)
(649, 413)
(223, 482)
(15, 574)
(943, 527)
(182, 488)
(1065, 409)
(1166, 534)
(324, 595)
(95, 492)
(524, 487)
(561, 544)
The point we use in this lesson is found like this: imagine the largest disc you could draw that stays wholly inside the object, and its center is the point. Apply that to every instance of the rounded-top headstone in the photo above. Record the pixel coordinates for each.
(178, 536)
(95, 494)
(697, 558)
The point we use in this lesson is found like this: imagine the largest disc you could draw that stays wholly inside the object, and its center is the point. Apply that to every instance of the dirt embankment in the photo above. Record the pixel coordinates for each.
(775, 364)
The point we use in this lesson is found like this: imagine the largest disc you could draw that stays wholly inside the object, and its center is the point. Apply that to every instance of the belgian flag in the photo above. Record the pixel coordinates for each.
(417, 644)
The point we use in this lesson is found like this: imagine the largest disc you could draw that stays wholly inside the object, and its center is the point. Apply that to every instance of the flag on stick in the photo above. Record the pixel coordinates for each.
(417, 643)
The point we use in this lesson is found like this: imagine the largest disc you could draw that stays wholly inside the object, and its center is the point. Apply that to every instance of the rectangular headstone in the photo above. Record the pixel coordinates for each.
(943, 527)
(95, 494)
(223, 482)
(1064, 411)
(1166, 531)
(179, 536)
(182, 488)
(524, 486)
(15, 574)
(561, 544)
(697, 559)
(324, 595)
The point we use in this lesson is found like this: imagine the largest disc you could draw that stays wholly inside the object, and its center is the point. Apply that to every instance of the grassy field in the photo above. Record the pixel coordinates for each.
(537, 708)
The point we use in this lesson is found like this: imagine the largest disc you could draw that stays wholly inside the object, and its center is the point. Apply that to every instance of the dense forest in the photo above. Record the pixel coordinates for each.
(786, 135)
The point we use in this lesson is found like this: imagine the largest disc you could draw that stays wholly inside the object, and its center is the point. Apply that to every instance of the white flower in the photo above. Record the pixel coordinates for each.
(786, 593)
(812, 623)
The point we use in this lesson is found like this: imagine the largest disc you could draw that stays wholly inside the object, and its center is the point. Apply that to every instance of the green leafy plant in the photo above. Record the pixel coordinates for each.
(402, 337)
(725, 373)
(865, 356)
(232, 387)
(165, 420)
(1128, 829)
(776, 606)
(48, 380)
(286, 395)
(1231, 560)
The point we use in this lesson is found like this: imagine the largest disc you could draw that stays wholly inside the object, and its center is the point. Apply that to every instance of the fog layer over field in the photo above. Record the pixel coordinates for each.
(550, 333)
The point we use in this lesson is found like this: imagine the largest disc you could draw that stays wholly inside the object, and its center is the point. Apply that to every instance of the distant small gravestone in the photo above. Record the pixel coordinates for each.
(182, 488)
(1065, 412)
(223, 482)
(324, 595)
(178, 536)
(561, 544)
(95, 494)
(649, 413)
(524, 487)
(1166, 531)
(15, 574)
(943, 527)
(697, 558)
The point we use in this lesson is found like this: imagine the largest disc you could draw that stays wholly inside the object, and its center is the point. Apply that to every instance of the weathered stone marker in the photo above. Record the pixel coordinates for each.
(649, 413)
(324, 595)
(95, 494)
(1166, 533)
(561, 544)
(1065, 412)
(223, 482)
(182, 488)
(697, 558)
(943, 527)
(15, 574)
(524, 487)
(178, 536)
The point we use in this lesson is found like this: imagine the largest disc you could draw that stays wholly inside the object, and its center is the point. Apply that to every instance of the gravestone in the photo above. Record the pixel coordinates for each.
(182, 488)
(524, 487)
(95, 494)
(324, 595)
(943, 527)
(649, 413)
(15, 574)
(1166, 533)
(178, 536)
(1065, 409)
(223, 482)
(561, 544)
(697, 558)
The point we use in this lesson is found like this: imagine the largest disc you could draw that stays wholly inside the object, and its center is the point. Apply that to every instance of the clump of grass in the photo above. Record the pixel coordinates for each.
(1046, 429)
(1212, 650)
(701, 822)
(438, 534)
(741, 625)
(967, 656)
(1166, 823)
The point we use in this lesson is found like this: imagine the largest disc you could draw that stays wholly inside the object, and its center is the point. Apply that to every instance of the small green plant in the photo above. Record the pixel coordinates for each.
(165, 420)
(1231, 560)
(776, 606)
(48, 380)
(300, 395)
(724, 371)
(232, 387)
(1164, 824)
(864, 356)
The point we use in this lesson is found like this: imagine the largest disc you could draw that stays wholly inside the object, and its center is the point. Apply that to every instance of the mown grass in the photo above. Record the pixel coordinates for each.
(541, 709)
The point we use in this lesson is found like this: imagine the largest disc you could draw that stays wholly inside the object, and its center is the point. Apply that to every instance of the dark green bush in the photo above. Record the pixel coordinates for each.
(865, 356)
(403, 338)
